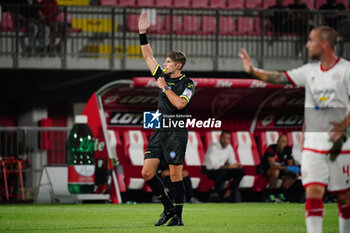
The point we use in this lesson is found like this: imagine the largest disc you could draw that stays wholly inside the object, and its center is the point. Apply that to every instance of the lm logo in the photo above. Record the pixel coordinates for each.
(151, 120)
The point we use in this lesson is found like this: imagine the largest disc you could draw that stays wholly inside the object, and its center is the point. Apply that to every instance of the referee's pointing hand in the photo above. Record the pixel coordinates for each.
(246, 62)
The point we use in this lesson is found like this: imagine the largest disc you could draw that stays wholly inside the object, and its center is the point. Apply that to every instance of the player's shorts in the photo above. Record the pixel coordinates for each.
(319, 168)
(169, 146)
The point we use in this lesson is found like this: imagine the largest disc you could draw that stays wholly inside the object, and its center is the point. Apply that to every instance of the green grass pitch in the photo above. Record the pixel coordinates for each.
(140, 218)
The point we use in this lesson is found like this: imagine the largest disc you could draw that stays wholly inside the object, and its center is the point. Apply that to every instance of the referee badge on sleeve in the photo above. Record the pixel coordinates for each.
(188, 93)
(172, 154)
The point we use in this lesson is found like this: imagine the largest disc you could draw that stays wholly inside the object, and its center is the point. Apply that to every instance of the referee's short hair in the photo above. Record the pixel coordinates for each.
(177, 56)
(225, 131)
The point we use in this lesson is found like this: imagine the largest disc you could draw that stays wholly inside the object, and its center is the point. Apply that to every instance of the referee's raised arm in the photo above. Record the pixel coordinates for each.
(147, 52)
(264, 75)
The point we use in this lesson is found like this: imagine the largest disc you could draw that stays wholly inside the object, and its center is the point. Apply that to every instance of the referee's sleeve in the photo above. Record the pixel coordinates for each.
(158, 72)
(188, 91)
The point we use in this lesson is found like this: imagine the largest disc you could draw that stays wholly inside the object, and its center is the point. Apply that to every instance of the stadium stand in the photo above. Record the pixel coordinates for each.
(235, 4)
(182, 3)
(163, 3)
(132, 23)
(252, 4)
(190, 24)
(126, 3)
(208, 25)
(245, 26)
(177, 26)
(108, 2)
(157, 27)
(227, 25)
(145, 3)
(200, 4)
(217, 3)
(268, 3)
(319, 3)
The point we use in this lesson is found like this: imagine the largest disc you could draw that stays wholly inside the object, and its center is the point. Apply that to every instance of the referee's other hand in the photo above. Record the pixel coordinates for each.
(246, 62)
(161, 82)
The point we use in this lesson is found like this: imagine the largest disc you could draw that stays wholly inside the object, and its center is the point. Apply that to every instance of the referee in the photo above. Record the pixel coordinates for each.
(167, 145)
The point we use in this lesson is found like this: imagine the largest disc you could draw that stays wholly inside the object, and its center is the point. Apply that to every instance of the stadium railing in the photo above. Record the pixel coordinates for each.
(108, 32)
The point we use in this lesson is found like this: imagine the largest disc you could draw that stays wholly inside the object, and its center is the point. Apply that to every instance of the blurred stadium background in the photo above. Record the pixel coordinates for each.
(41, 92)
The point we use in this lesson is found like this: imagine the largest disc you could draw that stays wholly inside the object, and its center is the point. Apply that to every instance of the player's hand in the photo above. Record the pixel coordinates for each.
(143, 23)
(337, 132)
(161, 83)
(246, 62)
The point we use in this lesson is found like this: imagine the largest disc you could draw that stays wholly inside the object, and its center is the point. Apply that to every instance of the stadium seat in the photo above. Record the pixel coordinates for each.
(200, 3)
(247, 154)
(217, 3)
(127, 3)
(310, 4)
(145, 3)
(227, 25)
(163, 3)
(268, 3)
(132, 23)
(210, 138)
(7, 23)
(253, 4)
(235, 4)
(294, 140)
(108, 2)
(135, 143)
(245, 25)
(194, 158)
(117, 152)
(176, 24)
(157, 27)
(190, 24)
(267, 138)
(182, 3)
(208, 25)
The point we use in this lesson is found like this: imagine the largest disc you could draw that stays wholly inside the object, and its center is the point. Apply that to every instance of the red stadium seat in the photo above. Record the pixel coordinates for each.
(7, 23)
(227, 25)
(163, 3)
(217, 3)
(253, 4)
(200, 3)
(194, 158)
(208, 25)
(267, 138)
(294, 140)
(132, 23)
(247, 154)
(182, 3)
(118, 153)
(190, 24)
(135, 143)
(244, 25)
(127, 3)
(310, 4)
(235, 4)
(145, 3)
(210, 138)
(108, 2)
(176, 24)
(268, 3)
(157, 27)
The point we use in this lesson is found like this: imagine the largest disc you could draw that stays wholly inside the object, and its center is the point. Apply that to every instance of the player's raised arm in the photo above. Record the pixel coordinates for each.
(264, 75)
(145, 47)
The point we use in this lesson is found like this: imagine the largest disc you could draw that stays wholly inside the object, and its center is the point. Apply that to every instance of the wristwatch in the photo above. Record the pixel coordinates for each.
(165, 88)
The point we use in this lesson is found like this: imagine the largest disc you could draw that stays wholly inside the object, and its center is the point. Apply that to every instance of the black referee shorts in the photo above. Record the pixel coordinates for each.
(168, 145)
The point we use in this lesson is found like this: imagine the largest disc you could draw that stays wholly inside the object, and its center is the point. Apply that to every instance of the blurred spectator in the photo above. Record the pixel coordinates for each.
(280, 17)
(165, 175)
(299, 18)
(29, 15)
(276, 163)
(221, 166)
(332, 19)
(50, 12)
